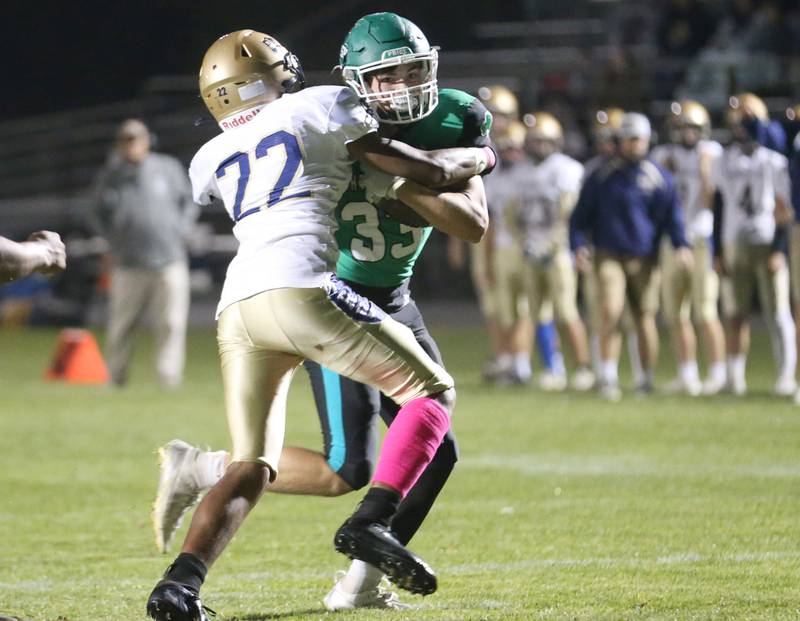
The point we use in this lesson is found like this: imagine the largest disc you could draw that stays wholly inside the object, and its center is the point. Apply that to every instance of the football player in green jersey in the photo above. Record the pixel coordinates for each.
(387, 60)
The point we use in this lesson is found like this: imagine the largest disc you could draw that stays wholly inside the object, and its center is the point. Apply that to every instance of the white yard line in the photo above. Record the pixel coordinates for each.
(625, 465)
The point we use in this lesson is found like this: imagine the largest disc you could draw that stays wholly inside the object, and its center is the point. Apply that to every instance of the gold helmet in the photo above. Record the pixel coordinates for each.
(544, 126)
(510, 137)
(245, 69)
(606, 122)
(691, 113)
(749, 105)
(499, 100)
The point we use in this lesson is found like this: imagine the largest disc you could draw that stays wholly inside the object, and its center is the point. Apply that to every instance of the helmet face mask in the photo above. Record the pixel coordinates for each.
(388, 62)
(416, 99)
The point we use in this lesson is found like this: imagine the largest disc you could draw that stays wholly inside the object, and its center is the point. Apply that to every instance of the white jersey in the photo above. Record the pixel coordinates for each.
(280, 176)
(504, 201)
(549, 191)
(748, 185)
(685, 165)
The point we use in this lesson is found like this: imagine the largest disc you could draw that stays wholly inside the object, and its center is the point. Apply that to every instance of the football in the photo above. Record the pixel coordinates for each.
(402, 213)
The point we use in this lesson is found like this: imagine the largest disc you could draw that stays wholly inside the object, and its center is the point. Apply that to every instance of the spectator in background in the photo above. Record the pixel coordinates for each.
(684, 28)
(624, 209)
(43, 252)
(144, 209)
(620, 82)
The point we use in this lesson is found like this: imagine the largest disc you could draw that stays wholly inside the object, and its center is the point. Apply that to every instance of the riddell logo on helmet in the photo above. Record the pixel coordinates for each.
(239, 120)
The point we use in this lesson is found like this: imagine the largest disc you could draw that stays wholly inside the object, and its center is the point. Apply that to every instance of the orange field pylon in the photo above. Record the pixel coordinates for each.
(78, 359)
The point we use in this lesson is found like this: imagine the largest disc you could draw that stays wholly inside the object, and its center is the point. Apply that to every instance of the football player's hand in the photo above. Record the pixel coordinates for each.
(379, 185)
(50, 250)
(776, 262)
(685, 258)
(719, 266)
(783, 213)
(583, 260)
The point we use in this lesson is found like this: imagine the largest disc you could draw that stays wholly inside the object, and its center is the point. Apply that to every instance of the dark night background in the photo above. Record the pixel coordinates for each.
(64, 55)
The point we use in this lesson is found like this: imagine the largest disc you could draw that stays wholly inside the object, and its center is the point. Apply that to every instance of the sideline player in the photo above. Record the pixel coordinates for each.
(690, 159)
(511, 343)
(753, 181)
(624, 209)
(550, 184)
(377, 256)
(281, 302)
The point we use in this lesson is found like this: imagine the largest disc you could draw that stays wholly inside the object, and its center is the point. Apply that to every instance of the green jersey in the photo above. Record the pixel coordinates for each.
(376, 250)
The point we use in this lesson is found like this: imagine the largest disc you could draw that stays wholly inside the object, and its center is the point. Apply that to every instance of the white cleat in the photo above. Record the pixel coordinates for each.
(583, 379)
(693, 388)
(552, 382)
(379, 597)
(714, 386)
(610, 392)
(178, 490)
(738, 388)
(786, 386)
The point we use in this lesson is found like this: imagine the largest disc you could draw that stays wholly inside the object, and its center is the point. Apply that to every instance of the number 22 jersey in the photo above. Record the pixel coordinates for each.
(280, 176)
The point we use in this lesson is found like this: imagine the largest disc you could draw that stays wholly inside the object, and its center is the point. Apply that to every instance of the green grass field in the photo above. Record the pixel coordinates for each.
(562, 507)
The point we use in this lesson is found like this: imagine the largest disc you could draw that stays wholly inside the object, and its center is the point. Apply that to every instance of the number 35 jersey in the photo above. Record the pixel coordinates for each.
(375, 249)
(748, 185)
(280, 176)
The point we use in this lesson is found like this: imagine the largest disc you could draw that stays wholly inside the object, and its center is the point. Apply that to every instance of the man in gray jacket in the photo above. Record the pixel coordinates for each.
(144, 209)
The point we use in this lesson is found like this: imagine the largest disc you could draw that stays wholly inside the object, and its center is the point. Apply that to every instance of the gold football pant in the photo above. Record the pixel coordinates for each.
(263, 339)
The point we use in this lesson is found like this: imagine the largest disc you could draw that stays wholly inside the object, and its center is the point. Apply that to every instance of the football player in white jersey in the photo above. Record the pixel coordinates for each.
(690, 159)
(754, 184)
(550, 182)
(501, 302)
(279, 169)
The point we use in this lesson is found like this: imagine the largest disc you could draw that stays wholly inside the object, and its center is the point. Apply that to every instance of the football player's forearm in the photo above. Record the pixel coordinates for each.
(460, 164)
(455, 213)
(434, 169)
(19, 259)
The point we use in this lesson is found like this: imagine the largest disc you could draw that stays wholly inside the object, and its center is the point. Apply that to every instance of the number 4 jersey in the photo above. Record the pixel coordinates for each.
(377, 250)
(280, 176)
(749, 184)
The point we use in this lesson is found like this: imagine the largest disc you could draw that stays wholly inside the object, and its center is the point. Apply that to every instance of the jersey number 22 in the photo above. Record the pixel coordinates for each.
(249, 161)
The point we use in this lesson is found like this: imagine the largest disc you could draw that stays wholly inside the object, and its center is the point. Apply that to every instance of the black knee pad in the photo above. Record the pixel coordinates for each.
(357, 474)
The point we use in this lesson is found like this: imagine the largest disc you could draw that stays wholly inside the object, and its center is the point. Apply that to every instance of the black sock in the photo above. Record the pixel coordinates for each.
(187, 570)
(379, 505)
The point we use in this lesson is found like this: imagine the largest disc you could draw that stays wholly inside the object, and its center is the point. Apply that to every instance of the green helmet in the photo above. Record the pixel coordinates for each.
(380, 41)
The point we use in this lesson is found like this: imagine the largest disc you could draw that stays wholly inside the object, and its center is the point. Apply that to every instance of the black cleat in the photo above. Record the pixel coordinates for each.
(171, 601)
(375, 544)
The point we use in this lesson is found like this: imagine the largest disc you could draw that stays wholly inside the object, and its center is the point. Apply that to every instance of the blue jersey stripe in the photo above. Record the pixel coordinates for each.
(333, 405)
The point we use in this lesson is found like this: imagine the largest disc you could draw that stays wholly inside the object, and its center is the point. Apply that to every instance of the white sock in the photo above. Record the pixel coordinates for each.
(210, 468)
(505, 362)
(717, 372)
(736, 367)
(647, 377)
(786, 332)
(633, 355)
(522, 365)
(594, 348)
(361, 577)
(559, 368)
(609, 372)
(689, 372)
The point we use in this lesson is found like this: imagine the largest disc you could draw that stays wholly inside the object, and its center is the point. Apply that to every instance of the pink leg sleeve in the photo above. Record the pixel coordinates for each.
(410, 443)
